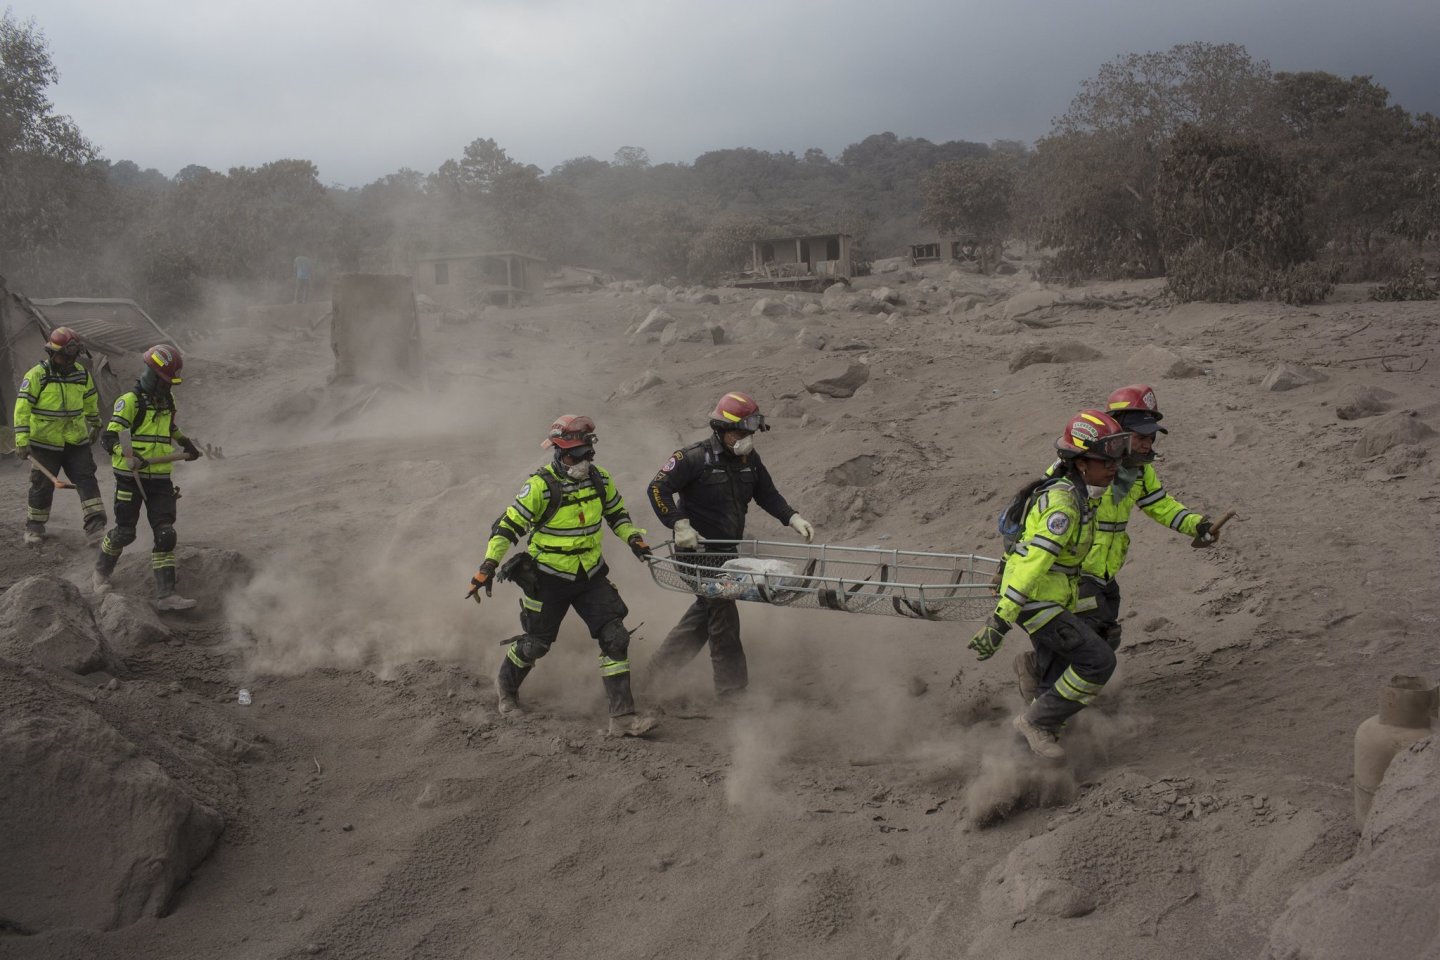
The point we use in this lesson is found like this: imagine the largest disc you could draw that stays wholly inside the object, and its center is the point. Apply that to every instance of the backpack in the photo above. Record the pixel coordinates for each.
(1011, 522)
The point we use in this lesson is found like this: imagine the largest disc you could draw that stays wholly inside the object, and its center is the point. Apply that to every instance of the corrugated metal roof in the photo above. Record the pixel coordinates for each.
(116, 327)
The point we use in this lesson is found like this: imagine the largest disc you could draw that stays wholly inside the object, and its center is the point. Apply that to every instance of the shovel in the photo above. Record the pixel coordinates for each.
(59, 484)
(1225, 518)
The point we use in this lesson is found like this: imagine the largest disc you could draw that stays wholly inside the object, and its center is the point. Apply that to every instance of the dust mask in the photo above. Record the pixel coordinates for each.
(743, 446)
(1094, 492)
(578, 471)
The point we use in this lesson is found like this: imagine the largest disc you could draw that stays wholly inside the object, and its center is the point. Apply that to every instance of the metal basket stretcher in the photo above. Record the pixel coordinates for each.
(903, 583)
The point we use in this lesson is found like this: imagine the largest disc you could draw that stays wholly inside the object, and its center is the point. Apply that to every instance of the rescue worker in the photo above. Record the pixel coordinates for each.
(57, 418)
(715, 480)
(143, 431)
(1136, 484)
(561, 508)
(1042, 571)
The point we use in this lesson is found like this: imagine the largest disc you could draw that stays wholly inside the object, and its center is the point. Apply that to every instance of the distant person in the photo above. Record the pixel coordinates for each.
(561, 508)
(703, 493)
(302, 279)
(1038, 587)
(141, 438)
(1136, 484)
(57, 417)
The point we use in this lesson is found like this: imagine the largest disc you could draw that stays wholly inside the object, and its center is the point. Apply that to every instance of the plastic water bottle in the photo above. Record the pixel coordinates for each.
(244, 697)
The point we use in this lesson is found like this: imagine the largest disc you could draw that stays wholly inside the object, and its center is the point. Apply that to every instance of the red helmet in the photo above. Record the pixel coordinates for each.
(1135, 408)
(1094, 435)
(166, 361)
(570, 431)
(64, 342)
(738, 411)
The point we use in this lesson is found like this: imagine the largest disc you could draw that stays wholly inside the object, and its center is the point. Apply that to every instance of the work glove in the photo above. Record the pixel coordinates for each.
(137, 462)
(484, 579)
(1203, 534)
(191, 449)
(802, 526)
(639, 547)
(988, 639)
(685, 536)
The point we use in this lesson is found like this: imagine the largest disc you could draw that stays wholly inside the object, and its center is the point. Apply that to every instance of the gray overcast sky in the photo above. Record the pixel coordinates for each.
(363, 88)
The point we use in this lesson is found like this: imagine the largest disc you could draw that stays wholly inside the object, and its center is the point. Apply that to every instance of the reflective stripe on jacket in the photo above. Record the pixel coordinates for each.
(570, 538)
(155, 436)
(1043, 570)
(55, 408)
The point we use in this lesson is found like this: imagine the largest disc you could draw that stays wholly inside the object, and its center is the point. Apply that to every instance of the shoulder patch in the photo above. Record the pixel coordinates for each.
(669, 464)
(524, 492)
(120, 406)
(1057, 523)
(25, 385)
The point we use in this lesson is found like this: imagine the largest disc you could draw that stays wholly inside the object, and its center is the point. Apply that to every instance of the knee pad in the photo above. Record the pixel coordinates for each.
(164, 537)
(121, 536)
(530, 648)
(615, 640)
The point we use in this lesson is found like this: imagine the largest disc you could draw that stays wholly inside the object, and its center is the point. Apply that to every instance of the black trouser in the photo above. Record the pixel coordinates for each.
(598, 603)
(1099, 606)
(716, 622)
(157, 494)
(78, 465)
(1073, 663)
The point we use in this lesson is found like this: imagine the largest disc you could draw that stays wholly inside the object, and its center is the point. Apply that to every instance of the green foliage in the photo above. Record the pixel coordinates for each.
(971, 197)
(1413, 283)
(1202, 273)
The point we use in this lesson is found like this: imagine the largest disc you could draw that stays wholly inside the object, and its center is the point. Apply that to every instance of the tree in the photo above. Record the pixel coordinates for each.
(477, 169)
(971, 197)
(632, 158)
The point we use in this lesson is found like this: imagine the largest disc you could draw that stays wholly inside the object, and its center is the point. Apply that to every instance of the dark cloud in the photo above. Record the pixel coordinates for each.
(363, 88)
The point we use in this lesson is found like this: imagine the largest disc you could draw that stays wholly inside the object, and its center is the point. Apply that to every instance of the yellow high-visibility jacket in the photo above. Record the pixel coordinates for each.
(1133, 487)
(569, 541)
(156, 435)
(1043, 569)
(55, 408)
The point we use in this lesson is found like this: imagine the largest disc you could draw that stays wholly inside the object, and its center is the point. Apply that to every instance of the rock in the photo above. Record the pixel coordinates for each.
(1032, 303)
(836, 296)
(1372, 905)
(671, 334)
(836, 378)
(808, 337)
(766, 307)
(887, 266)
(1056, 351)
(1002, 328)
(129, 623)
(705, 298)
(655, 322)
(1005, 268)
(1393, 429)
(861, 471)
(963, 304)
(1356, 401)
(657, 293)
(1288, 376)
(854, 345)
(46, 621)
(639, 384)
(1153, 362)
(884, 295)
(83, 812)
(812, 309)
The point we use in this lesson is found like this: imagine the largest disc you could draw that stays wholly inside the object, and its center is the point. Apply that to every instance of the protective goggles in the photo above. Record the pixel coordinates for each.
(755, 423)
(1114, 447)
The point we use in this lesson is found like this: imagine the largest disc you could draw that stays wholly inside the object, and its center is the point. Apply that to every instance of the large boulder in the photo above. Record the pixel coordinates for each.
(96, 835)
(655, 322)
(46, 621)
(1382, 901)
(768, 307)
(639, 384)
(836, 378)
(837, 296)
(1152, 362)
(1391, 430)
(1288, 376)
(1051, 351)
(129, 623)
(1358, 401)
(1032, 303)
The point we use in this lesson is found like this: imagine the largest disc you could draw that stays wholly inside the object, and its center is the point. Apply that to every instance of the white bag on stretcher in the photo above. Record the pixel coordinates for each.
(742, 577)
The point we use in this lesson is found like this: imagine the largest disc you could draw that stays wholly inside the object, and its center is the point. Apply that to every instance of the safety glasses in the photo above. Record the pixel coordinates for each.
(755, 423)
(1114, 447)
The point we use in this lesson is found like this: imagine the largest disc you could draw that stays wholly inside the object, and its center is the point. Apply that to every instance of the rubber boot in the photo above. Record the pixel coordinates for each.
(1026, 676)
(94, 529)
(165, 587)
(34, 533)
(507, 684)
(624, 721)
